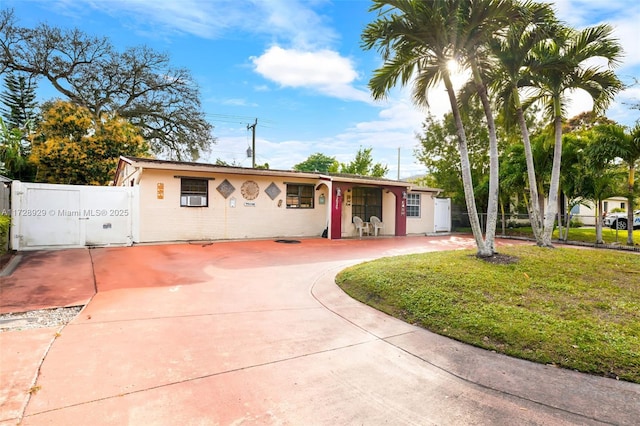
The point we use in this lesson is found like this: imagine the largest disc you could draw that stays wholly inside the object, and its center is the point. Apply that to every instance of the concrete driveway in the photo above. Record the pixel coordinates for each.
(256, 332)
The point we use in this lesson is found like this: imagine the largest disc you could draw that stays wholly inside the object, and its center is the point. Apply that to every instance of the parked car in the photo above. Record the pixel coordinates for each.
(619, 220)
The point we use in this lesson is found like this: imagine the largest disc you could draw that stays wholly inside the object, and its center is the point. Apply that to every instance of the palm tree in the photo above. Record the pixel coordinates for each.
(558, 66)
(417, 41)
(620, 143)
(480, 21)
(512, 50)
(600, 179)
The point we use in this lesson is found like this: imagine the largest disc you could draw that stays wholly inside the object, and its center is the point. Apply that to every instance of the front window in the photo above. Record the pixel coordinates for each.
(367, 202)
(194, 192)
(300, 196)
(413, 205)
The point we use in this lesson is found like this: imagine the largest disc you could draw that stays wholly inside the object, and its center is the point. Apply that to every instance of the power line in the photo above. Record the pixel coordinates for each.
(232, 117)
(242, 120)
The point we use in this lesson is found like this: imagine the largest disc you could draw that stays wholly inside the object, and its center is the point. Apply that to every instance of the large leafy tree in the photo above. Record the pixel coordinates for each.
(438, 151)
(417, 41)
(70, 147)
(560, 65)
(138, 84)
(362, 165)
(317, 162)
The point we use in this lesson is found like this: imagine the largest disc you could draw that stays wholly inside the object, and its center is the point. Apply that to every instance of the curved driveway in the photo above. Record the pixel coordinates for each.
(256, 332)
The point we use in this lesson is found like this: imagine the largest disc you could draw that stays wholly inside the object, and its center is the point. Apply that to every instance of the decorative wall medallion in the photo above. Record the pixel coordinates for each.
(273, 191)
(225, 188)
(249, 190)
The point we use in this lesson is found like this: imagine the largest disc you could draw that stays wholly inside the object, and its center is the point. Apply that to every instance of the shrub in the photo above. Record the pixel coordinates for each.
(5, 221)
(576, 223)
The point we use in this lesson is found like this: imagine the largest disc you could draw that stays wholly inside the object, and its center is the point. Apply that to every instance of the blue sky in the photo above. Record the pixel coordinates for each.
(297, 67)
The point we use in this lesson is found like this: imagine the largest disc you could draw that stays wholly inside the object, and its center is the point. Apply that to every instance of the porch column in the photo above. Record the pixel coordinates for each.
(337, 193)
(401, 211)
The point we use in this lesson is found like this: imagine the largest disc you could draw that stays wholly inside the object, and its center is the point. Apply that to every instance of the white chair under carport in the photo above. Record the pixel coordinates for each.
(377, 224)
(360, 225)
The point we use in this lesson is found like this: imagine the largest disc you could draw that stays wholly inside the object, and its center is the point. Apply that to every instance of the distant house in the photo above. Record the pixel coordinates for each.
(183, 201)
(586, 212)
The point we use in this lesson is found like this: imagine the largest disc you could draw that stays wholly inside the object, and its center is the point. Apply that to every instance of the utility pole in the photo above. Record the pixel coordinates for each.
(253, 143)
(398, 163)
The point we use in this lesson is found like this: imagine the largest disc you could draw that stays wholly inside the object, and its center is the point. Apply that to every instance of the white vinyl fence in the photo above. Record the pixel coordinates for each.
(65, 216)
(442, 215)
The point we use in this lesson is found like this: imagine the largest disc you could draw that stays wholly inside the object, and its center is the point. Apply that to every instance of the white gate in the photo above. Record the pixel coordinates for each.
(442, 215)
(63, 216)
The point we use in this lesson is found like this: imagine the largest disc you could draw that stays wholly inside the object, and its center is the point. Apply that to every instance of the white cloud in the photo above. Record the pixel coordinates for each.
(622, 15)
(395, 128)
(323, 71)
(296, 21)
(399, 114)
(239, 102)
(289, 21)
(627, 30)
(392, 134)
(621, 109)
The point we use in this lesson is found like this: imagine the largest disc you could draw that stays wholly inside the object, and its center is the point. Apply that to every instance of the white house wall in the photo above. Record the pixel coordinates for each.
(586, 213)
(163, 219)
(425, 223)
(388, 216)
(388, 213)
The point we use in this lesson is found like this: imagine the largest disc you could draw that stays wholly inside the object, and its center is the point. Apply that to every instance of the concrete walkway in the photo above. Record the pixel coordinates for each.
(256, 332)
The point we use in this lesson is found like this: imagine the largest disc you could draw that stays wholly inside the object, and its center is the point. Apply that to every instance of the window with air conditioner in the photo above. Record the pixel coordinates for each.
(194, 192)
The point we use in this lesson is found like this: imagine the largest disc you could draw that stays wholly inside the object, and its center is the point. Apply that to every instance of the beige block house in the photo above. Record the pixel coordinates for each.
(182, 201)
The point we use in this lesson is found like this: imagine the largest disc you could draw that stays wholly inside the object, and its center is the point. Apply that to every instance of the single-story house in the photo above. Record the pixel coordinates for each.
(183, 201)
(586, 212)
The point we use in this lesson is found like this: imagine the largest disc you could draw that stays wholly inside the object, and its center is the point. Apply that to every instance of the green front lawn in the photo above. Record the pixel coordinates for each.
(574, 308)
(609, 235)
(583, 234)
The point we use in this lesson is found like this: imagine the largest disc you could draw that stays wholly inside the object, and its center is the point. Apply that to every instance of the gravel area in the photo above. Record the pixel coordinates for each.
(38, 319)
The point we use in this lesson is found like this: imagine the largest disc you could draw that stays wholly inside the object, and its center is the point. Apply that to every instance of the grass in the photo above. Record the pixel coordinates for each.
(573, 308)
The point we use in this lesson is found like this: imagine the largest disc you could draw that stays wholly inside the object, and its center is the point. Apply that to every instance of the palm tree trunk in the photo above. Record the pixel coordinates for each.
(554, 186)
(599, 223)
(536, 222)
(492, 207)
(560, 216)
(467, 181)
(630, 182)
(504, 220)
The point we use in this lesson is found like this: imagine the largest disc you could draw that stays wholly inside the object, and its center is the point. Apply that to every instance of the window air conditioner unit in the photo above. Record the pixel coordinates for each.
(196, 200)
